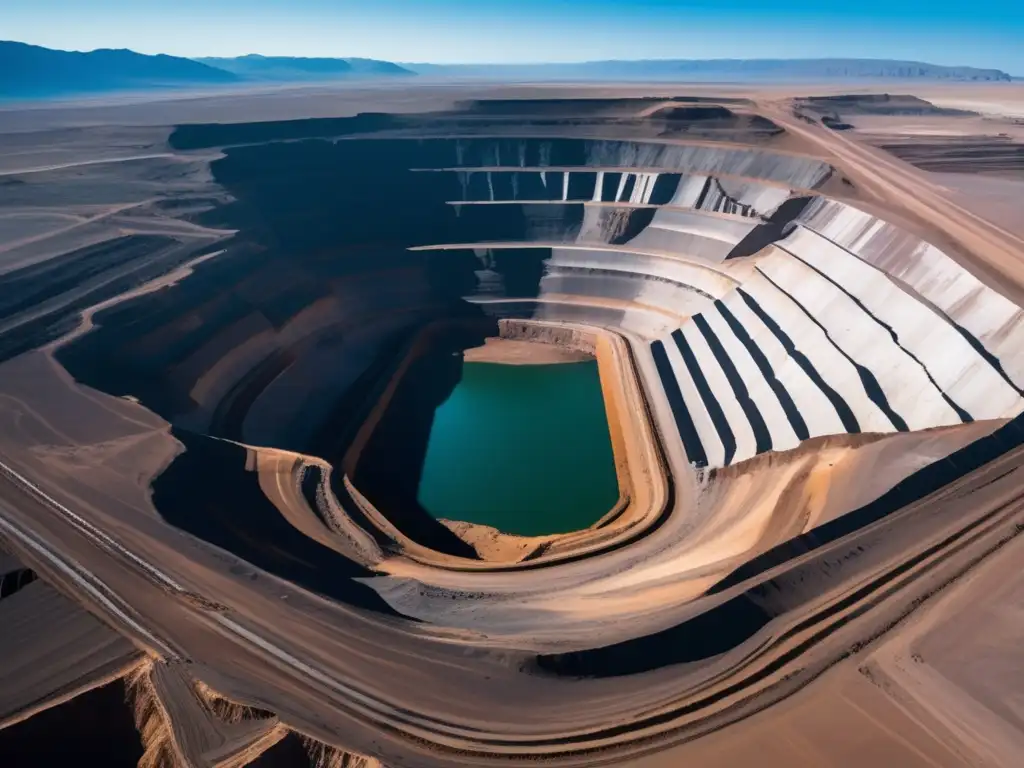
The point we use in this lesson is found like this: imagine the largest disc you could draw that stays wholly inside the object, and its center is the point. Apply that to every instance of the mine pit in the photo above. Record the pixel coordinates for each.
(521, 431)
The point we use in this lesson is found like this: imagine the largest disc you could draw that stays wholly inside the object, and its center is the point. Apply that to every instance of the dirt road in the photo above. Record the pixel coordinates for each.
(997, 252)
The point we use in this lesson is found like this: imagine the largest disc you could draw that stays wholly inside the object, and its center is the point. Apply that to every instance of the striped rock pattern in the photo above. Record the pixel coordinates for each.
(772, 313)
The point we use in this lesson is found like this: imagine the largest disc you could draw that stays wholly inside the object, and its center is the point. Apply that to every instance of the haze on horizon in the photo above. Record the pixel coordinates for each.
(522, 31)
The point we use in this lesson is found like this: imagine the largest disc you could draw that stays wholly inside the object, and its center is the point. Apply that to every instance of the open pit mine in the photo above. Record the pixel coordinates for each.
(556, 430)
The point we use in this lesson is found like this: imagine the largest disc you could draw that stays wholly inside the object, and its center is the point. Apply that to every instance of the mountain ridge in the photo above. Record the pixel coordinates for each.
(31, 71)
(284, 68)
(729, 69)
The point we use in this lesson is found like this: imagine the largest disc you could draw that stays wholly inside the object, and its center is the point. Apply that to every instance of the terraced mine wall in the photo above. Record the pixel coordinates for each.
(736, 619)
(322, 272)
(710, 252)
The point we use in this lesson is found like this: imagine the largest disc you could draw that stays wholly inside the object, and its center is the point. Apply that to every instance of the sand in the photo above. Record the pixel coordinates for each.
(513, 352)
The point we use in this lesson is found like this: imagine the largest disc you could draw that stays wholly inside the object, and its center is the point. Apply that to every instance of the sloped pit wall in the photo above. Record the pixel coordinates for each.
(846, 325)
(988, 320)
(262, 343)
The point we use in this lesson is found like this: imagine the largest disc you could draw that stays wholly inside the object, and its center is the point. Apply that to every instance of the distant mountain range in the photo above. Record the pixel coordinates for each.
(720, 70)
(30, 71)
(290, 68)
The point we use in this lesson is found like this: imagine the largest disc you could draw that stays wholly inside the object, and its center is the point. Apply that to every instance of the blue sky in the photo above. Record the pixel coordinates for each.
(984, 34)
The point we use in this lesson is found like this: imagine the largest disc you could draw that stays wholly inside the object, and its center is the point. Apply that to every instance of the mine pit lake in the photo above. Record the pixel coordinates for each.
(522, 448)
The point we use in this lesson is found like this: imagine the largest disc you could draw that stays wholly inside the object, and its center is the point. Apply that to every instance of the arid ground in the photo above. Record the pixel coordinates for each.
(227, 321)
